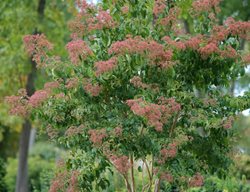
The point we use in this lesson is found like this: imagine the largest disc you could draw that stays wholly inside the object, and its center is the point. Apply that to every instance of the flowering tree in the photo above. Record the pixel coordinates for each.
(127, 97)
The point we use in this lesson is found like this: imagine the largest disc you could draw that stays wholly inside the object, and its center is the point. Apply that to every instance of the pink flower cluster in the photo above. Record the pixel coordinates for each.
(228, 123)
(156, 114)
(219, 33)
(246, 59)
(205, 5)
(52, 133)
(121, 163)
(105, 66)
(167, 177)
(89, 19)
(154, 51)
(196, 181)
(97, 136)
(137, 82)
(73, 182)
(78, 50)
(125, 9)
(38, 97)
(18, 104)
(169, 152)
(228, 52)
(240, 28)
(93, 90)
(159, 7)
(118, 131)
(49, 86)
(157, 54)
(74, 130)
(129, 45)
(208, 50)
(194, 42)
(37, 46)
(59, 183)
(171, 17)
(102, 20)
(176, 44)
(72, 83)
(209, 102)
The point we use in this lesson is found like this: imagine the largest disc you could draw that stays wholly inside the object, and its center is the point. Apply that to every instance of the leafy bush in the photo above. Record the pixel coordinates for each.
(230, 184)
(41, 163)
(243, 165)
(2, 174)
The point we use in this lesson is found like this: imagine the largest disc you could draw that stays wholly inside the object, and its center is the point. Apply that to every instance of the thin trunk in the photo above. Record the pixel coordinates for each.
(232, 88)
(22, 174)
(157, 185)
(127, 183)
(132, 174)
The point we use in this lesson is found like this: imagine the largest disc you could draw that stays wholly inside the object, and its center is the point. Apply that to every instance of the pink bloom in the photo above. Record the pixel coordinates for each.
(18, 105)
(73, 182)
(73, 130)
(219, 33)
(156, 114)
(38, 97)
(169, 152)
(178, 45)
(78, 50)
(52, 133)
(121, 163)
(240, 28)
(93, 90)
(37, 46)
(159, 7)
(105, 20)
(72, 83)
(205, 5)
(51, 85)
(60, 95)
(152, 50)
(208, 50)
(137, 82)
(167, 176)
(97, 136)
(228, 123)
(246, 59)
(105, 66)
(118, 131)
(171, 18)
(194, 42)
(196, 181)
(228, 52)
(125, 9)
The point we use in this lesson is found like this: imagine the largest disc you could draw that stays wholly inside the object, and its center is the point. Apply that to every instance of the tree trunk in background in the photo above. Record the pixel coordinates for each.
(22, 174)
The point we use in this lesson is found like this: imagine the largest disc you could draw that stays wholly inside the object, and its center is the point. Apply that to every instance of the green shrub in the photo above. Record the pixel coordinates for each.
(41, 164)
(243, 165)
(37, 169)
(2, 174)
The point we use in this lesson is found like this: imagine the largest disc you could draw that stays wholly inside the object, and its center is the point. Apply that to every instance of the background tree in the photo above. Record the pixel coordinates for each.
(17, 70)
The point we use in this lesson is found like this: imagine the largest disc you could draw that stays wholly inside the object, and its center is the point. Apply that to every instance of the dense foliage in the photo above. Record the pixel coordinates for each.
(140, 94)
